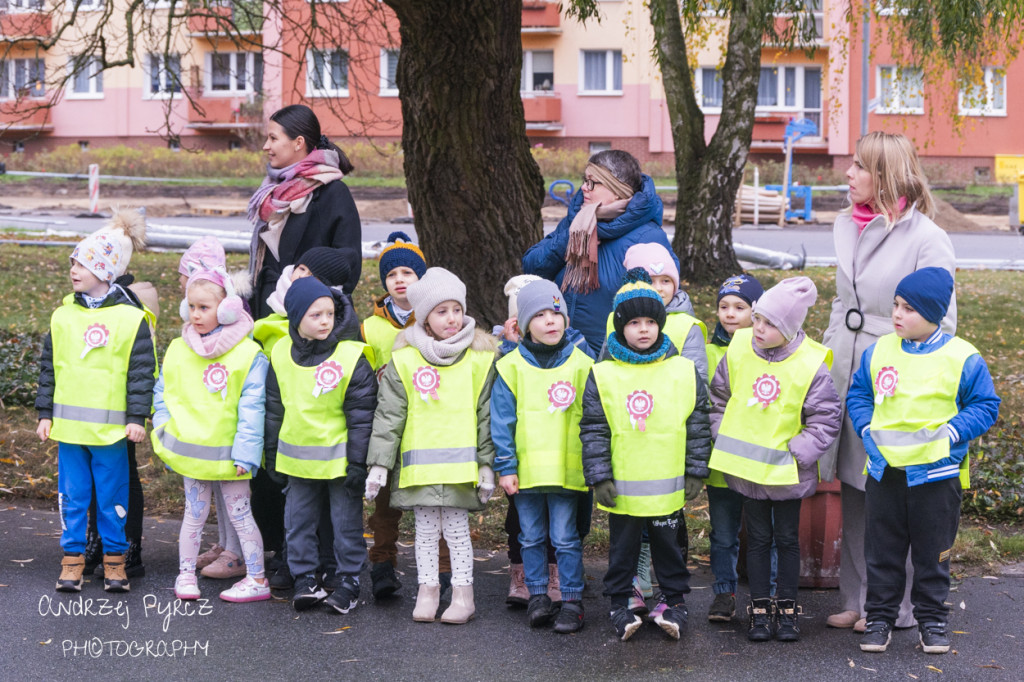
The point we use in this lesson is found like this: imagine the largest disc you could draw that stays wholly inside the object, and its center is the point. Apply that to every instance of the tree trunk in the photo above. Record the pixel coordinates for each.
(474, 187)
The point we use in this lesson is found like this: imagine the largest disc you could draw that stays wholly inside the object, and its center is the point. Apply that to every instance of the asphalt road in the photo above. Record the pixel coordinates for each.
(145, 635)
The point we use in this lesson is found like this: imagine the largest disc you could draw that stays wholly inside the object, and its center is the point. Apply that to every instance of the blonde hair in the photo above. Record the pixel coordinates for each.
(218, 291)
(896, 172)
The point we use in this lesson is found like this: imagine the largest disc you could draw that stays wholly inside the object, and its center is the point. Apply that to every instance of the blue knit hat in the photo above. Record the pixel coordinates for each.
(637, 298)
(741, 286)
(301, 295)
(928, 291)
(399, 252)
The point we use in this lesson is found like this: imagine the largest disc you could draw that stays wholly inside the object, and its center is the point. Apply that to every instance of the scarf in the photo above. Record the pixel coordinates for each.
(544, 354)
(285, 191)
(581, 273)
(863, 214)
(220, 340)
(624, 353)
(441, 352)
(276, 298)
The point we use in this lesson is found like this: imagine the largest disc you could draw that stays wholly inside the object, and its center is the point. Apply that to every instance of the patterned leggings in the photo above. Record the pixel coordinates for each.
(454, 523)
(236, 508)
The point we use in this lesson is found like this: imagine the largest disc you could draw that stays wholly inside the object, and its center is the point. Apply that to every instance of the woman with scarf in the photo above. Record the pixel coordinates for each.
(885, 235)
(615, 208)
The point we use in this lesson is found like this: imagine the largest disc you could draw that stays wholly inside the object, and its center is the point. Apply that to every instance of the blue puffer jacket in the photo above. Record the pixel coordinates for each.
(640, 224)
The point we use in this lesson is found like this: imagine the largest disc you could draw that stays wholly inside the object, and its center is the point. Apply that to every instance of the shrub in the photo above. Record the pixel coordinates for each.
(19, 367)
(997, 483)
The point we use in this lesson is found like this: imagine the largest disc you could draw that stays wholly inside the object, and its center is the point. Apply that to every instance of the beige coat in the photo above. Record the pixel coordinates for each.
(870, 265)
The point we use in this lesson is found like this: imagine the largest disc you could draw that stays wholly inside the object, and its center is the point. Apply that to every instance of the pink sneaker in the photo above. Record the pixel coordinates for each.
(636, 601)
(208, 557)
(246, 590)
(227, 565)
(186, 587)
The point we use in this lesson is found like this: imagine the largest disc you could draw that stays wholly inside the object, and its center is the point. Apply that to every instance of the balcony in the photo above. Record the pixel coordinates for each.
(770, 130)
(26, 118)
(24, 25)
(220, 114)
(541, 17)
(543, 111)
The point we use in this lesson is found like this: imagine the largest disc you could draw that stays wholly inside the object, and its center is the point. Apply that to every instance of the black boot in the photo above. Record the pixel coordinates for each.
(93, 552)
(133, 560)
(760, 629)
(787, 627)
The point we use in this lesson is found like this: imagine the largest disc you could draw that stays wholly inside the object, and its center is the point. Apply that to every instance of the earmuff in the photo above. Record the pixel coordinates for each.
(229, 310)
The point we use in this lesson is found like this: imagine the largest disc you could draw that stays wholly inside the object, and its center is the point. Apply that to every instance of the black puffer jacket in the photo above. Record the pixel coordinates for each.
(141, 366)
(360, 400)
(596, 435)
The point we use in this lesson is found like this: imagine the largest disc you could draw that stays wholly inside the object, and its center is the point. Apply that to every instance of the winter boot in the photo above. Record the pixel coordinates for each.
(462, 608)
(540, 610)
(643, 571)
(427, 601)
(71, 568)
(787, 627)
(115, 579)
(570, 617)
(518, 595)
(133, 567)
(93, 552)
(760, 629)
(554, 586)
(383, 580)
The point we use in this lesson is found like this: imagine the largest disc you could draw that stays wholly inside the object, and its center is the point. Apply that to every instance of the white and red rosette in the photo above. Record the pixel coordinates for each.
(639, 404)
(215, 378)
(561, 395)
(328, 375)
(426, 380)
(766, 391)
(885, 383)
(96, 336)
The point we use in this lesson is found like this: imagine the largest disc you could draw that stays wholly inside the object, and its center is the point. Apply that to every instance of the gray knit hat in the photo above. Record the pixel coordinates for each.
(538, 296)
(436, 286)
(785, 305)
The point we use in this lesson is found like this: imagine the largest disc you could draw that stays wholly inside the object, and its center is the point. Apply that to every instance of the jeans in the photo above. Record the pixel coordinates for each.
(725, 508)
(80, 467)
(778, 521)
(551, 514)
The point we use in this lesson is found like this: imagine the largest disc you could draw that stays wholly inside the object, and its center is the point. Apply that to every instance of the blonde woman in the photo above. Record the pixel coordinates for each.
(885, 234)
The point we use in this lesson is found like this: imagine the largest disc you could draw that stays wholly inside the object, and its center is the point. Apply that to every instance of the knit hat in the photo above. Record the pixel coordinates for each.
(538, 296)
(654, 258)
(512, 289)
(436, 286)
(741, 286)
(329, 265)
(205, 252)
(928, 291)
(785, 305)
(637, 298)
(301, 294)
(107, 252)
(400, 251)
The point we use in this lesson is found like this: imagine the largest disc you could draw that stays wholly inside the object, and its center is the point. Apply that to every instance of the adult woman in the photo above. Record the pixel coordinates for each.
(615, 208)
(302, 203)
(884, 236)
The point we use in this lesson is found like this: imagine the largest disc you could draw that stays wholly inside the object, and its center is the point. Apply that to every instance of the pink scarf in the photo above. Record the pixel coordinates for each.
(581, 275)
(217, 343)
(863, 214)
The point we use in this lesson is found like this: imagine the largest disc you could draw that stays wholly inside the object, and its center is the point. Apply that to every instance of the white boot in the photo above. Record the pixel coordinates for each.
(462, 608)
(427, 601)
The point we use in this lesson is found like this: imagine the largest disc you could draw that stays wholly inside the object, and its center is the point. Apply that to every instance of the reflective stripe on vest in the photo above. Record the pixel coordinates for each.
(549, 405)
(716, 479)
(201, 395)
(380, 336)
(677, 328)
(909, 426)
(439, 442)
(647, 407)
(92, 348)
(764, 411)
(314, 434)
(269, 330)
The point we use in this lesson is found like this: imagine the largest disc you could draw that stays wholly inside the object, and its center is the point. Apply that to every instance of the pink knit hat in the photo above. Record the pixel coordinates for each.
(206, 253)
(654, 258)
(785, 305)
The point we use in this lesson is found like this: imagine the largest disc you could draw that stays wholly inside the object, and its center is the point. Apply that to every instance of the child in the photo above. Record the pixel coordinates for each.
(774, 413)
(538, 455)
(96, 376)
(208, 425)
(725, 507)
(645, 441)
(918, 398)
(432, 433)
(321, 395)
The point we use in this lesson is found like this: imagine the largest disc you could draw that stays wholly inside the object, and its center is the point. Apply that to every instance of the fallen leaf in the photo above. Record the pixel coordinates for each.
(934, 669)
(960, 632)
(46, 642)
(913, 676)
(993, 545)
(963, 606)
(989, 577)
(869, 669)
(850, 663)
(22, 561)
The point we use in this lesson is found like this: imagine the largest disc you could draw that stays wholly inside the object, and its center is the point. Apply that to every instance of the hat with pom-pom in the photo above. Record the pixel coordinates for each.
(107, 252)
(399, 252)
(637, 298)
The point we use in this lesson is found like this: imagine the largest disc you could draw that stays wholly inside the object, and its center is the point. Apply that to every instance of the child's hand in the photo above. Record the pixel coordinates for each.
(605, 493)
(510, 484)
(511, 330)
(135, 432)
(240, 470)
(485, 484)
(376, 479)
(43, 430)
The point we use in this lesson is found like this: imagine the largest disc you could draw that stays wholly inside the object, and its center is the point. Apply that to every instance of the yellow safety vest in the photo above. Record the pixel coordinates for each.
(647, 407)
(915, 396)
(269, 330)
(716, 479)
(549, 405)
(92, 348)
(201, 395)
(677, 328)
(380, 336)
(763, 412)
(439, 442)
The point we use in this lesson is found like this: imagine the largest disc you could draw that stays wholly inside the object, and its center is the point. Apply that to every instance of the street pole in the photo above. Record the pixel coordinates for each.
(864, 69)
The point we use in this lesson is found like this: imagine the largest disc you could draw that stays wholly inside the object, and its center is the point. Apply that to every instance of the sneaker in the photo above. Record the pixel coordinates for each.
(636, 602)
(934, 638)
(246, 590)
(282, 579)
(186, 586)
(625, 622)
(540, 610)
(787, 620)
(569, 618)
(93, 552)
(330, 581)
(208, 557)
(227, 565)
(759, 628)
(723, 608)
(518, 595)
(671, 619)
(345, 596)
(383, 580)
(114, 577)
(876, 637)
(133, 567)
(308, 592)
(71, 568)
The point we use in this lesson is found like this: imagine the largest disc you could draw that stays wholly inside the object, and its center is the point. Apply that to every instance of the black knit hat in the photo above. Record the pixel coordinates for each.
(329, 265)
(637, 298)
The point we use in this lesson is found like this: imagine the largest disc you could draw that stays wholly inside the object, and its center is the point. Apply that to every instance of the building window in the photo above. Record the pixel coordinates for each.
(83, 145)
(22, 78)
(234, 73)
(85, 76)
(601, 72)
(388, 69)
(174, 144)
(900, 91)
(85, 5)
(22, 5)
(707, 84)
(987, 98)
(19, 147)
(596, 147)
(234, 145)
(789, 89)
(538, 71)
(327, 73)
(163, 75)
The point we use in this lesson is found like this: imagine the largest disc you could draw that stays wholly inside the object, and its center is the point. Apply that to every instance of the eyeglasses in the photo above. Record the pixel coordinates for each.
(589, 184)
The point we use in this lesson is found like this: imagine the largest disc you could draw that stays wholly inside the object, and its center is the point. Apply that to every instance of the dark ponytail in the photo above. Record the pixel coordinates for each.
(298, 120)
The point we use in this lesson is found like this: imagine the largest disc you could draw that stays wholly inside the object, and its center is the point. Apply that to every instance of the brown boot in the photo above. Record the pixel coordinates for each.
(427, 601)
(115, 579)
(518, 595)
(462, 608)
(71, 568)
(554, 586)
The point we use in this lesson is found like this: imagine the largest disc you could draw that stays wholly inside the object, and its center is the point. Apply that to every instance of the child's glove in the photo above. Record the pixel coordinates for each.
(377, 478)
(693, 486)
(876, 460)
(486, 483)
(605, 493)
(355, 480)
